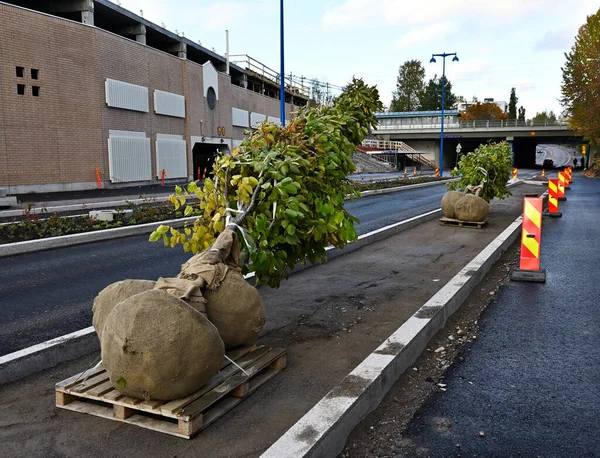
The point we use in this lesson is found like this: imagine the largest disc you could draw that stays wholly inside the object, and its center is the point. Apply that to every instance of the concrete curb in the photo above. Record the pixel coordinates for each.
(12, 249)
(376, 192)
(45, 355)
(324, 430)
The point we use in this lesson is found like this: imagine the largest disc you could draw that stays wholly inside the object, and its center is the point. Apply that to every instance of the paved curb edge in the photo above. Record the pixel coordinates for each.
(323, 431)
(30, 246)
(45, 355)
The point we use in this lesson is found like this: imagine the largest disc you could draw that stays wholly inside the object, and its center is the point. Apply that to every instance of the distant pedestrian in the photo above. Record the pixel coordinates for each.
(574, 163)
(582, 161)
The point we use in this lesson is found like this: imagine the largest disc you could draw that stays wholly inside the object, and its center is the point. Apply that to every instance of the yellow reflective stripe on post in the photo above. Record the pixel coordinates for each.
(531, 244)
(533, 215)
(552, 186)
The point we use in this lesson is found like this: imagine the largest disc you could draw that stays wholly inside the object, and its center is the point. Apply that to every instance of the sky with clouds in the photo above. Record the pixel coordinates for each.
(500, 44)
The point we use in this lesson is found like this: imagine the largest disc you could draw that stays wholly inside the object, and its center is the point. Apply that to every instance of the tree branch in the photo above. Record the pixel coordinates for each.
(242, 216)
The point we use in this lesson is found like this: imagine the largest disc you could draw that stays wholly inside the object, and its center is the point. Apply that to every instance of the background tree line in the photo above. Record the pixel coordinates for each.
(414, 93)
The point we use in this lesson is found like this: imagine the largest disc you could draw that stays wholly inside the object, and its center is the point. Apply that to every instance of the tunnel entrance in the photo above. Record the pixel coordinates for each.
(203, 157)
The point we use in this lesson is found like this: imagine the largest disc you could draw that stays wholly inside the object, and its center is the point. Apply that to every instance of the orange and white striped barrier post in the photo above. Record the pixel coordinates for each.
(98, 180)
(437, 172)
(405, 172)
(570, 174)
(199, 174)
(561, 186)
(514, 174)
(543, 173)
(415, 172)
(531, 238)
(568, 177)
(553, 199)
(162, 180)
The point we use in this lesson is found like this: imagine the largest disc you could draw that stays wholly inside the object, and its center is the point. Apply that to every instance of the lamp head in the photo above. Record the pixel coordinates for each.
(432, 61)
(455, 59)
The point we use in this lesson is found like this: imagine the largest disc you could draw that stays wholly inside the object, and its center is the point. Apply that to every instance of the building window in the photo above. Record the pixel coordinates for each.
(20, 72)
(35, 91)
(211, 98)
(35, 73)
(21, 89)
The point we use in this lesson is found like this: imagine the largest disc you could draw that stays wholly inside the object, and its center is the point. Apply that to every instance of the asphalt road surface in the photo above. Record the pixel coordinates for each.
(48, 294)
(561, 155)
(530, 382)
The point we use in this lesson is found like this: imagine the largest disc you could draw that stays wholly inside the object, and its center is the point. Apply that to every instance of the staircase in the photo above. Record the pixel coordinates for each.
(392, 151)
(366, 163)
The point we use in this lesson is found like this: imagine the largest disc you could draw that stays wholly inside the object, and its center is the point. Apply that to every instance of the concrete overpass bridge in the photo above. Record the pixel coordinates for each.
(421, 130)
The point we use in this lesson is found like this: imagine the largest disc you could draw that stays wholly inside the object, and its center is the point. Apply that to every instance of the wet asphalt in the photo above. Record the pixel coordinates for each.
(531, 382)
(48, 294)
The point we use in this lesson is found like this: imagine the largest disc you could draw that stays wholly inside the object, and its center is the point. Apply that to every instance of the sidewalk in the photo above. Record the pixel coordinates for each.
(529, 385)
(329, 317)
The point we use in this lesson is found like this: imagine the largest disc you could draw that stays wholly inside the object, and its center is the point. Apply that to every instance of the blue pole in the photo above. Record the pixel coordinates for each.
(442, 135)
(282, 72)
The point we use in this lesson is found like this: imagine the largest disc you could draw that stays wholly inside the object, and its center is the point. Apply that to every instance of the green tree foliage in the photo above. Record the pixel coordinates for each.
(543, 117)
(410, 85)
(283, 189)
(512, 104)
(580, 88)
(492, 162)
(432, 97)
(483, 111)
(521, 115)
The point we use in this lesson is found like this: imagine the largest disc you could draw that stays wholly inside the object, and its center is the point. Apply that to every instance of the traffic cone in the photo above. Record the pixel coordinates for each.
(553, 199)
(561, 186)
(543, 173)
(531, 238)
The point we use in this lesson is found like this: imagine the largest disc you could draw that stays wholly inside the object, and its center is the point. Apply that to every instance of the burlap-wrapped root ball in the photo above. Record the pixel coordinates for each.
(471, 208)
(112, 295)
(448, 202)
(156, 346)
(236, 310)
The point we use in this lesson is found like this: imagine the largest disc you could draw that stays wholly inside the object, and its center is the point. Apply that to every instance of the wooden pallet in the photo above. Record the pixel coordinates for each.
(456, 222)
(92, 393)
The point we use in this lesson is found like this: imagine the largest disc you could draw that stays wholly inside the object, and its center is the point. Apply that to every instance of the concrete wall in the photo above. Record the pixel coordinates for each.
(431, 148)
(56, 141)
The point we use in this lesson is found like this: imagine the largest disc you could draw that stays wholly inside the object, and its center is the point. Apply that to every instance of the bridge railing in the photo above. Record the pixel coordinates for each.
(478, 124)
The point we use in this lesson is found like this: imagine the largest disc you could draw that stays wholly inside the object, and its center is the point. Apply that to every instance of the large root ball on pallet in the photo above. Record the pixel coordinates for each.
(236, 310)
(471, 208)
(448, 202)
(156, 346)
(112, 295)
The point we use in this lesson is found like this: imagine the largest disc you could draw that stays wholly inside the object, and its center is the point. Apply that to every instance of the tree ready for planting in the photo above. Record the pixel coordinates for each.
(512, 104)
(580, 88)
(544, 117)
(410, 85)
(521, 115)
(483, 111)
(282, 191)
(432, 96)
(490, 164)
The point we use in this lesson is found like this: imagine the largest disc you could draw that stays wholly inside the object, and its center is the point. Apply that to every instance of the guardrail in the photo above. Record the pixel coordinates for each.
(480, 124)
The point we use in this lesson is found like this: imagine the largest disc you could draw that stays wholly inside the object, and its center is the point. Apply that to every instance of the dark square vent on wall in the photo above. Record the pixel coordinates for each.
(21, 89)
(35, 73)
(20, 72)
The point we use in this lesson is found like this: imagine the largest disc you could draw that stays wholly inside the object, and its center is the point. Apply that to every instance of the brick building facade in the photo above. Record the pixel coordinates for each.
(72, 101)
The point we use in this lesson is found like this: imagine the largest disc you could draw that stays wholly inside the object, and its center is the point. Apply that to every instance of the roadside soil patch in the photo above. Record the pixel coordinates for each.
(329, 317)
(381, 433)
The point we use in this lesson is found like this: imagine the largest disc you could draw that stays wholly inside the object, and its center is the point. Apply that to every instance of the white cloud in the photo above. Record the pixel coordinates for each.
(426, 34)
(370, 13)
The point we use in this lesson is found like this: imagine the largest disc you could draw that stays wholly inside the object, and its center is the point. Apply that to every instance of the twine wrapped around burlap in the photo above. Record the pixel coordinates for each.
(112, 295)
(471, 208)
(156, 346)
(448, 202)
(232, 305)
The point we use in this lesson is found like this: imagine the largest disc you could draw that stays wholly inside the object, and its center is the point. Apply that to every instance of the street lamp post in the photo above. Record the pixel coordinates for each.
(282, 72)
(432, 61)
